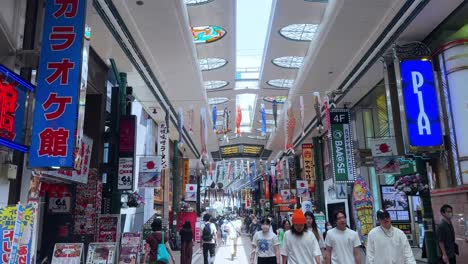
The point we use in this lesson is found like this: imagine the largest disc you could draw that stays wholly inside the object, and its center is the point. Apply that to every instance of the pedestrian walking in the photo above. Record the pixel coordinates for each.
(152, 242)
(387, 244)
(209, 235)
(328, 226)
(343, 244)
(312, 226)
(300, 246)
(234, 234)
(446, 236)
(285, 226)
(186, 237)
(265, 245)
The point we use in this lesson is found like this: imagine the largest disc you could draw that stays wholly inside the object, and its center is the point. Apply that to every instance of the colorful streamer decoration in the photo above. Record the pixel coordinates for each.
(272, 173)
(190, 120)
(318, 112)
(229, 171)
(290, 125)
(301, 102)
(180, 124)
(263, 116)
(238, 120)
(203, 132)
(275, 112)
(214, 116)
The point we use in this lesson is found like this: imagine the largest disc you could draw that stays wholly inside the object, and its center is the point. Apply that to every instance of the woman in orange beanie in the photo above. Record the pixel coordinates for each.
(300, 245)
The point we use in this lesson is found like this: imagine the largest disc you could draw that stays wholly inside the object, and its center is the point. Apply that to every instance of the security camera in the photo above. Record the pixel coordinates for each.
(155, 111)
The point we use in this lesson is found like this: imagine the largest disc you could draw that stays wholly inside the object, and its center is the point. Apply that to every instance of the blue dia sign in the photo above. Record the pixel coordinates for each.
(421, 104)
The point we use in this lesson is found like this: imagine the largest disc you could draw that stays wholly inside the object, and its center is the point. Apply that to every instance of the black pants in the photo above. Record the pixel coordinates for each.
(268, 260)
(208, 247)
(453, 260)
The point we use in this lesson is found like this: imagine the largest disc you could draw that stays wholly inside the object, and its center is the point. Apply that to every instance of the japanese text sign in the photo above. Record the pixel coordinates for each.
(308, 166)
(342, 145)
(163, 145)
(59, 80)
(421, 104)
(108, 228)
(125, 181)
(13, 92)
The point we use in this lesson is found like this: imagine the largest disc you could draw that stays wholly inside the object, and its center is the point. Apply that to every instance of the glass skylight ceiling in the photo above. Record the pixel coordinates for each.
(252, 20)
(214, 85)
(247, 105)
(197, 2)
(281, 83)
(302, 32)
(217, 100)
(209, 64)
(293, 62)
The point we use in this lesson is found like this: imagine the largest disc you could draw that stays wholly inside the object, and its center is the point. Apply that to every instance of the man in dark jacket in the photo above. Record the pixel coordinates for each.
(446, 236)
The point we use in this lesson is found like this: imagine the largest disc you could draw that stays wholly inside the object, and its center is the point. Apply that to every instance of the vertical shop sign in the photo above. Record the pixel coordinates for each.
(163, 145)
(302, 189)
(108, 228)
(59, 78)
(191, 192)
(126, 153)
(292, 172)
(308, 166)
(421, 108)
(13, 92)
(125, 175)
(342, 145)
(186, 173)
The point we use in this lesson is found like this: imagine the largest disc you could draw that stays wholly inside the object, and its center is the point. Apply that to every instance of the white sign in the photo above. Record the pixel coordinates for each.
(81, 174)
(190, 192)
(306, 206)
(67, 253)
(341, 190)
(60, 205)
(125, 174)
(150, 164)
(163, 145)
(302, 188)
(383, 147)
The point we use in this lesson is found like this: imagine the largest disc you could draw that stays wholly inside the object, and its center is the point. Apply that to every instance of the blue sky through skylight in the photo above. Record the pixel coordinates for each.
(252, 22)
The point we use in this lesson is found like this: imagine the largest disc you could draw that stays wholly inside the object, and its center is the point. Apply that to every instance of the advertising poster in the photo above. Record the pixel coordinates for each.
(88, 204)
(59, 76)
(396, 203)
(286, 195)
(190, 192)
(306, 206)
(197, 234)
(149, 172)
(101, 253)
(67, 253)
(129, 248)
(320, 219)
(17, 234)
(383, 147)
(342, 145)
(125, 177)
(7, 225)
(108, 228)
(387, 165)
(363, 203)
(302, 189)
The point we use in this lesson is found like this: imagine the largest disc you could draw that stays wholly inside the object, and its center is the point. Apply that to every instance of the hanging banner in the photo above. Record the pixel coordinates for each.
(363, 203)
(308, 166)
(17, 234)
(187, 173)
(342, 145)
(306, 206)
(387, 165)
(127, 134)
(67, 253)
(108, 228)
(59, 76)
(163, 145)
(302, 189)
(286, 195)
(149, 173)
(129, 248)
(291, 166)
(80, 175)
(383, 147)
(420, 114)
(7, 225)
(125, 176)
(102, 253)
(191, 192)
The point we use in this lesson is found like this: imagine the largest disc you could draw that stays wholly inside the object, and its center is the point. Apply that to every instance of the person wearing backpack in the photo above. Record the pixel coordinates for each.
(153, 241)
(209, 235)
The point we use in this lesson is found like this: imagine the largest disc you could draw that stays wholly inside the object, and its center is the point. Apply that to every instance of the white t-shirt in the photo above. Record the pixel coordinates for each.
(300, 249)
(390, 248)
(265, 244)
(342, 244)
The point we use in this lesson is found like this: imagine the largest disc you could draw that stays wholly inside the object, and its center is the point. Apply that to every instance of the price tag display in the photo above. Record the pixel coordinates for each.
(125, 176)
(60, 205)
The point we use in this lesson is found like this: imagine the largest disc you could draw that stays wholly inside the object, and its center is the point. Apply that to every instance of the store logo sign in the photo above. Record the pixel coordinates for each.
(421, 104)
(342, 145)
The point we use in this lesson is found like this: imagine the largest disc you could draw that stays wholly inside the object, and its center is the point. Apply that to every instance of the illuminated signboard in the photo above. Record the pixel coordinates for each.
(421, 111)
(13, 93)
(241, 151)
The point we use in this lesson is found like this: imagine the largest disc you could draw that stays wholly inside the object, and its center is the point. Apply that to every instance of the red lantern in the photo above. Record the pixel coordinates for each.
(277, 199)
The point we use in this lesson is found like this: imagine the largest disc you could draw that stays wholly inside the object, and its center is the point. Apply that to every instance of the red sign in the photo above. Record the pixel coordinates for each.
(108, 228)
(127, 134)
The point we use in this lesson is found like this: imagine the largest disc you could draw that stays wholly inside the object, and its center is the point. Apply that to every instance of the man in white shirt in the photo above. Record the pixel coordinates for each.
(387, 244)
(300, 246)
(343, 244)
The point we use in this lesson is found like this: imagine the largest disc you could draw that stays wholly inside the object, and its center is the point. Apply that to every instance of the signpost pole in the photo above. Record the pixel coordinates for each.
(175, 191)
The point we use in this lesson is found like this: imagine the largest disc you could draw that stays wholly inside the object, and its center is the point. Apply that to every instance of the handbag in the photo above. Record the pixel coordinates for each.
(163, 255)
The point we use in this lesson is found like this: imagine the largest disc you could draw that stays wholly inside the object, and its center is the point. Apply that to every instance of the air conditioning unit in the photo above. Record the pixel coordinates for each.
(8, 170)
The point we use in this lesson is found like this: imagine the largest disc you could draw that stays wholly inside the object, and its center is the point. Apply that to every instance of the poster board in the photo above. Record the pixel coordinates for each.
(108, 228)
(101, 253)
(67, 253)
(129, 248)
(396, 203)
